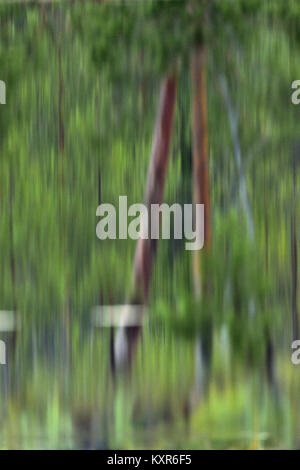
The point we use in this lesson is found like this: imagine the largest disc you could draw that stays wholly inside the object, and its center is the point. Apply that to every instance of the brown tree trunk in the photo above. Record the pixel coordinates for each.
(201, 190)
(126, 340)
(146, 249)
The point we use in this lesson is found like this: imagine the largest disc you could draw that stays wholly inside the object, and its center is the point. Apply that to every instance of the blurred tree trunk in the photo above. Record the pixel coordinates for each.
(201, 188)
(13, 340)
(61, 128)
(294, 260)
(201, 195)
(11, 230)
(61, 181)
(146, 249)
(266, 220)
(234, 128)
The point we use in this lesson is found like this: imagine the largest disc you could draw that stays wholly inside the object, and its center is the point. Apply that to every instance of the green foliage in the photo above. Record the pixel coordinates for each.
(52, 264)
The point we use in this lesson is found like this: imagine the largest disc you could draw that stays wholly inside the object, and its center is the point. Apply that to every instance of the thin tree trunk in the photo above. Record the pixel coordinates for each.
(146, 248)
(13, 263)
(201, 195)
(233, 123)
(61, 181)
(61, 130)
(270, 354)
(294, 261)
(201, 187)
(266, 224)
(11, 229)
(43, 17)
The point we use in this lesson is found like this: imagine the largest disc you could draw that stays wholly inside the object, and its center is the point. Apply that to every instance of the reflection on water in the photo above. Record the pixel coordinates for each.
(61, 390)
